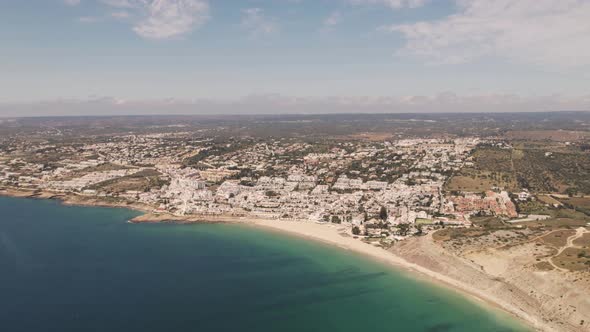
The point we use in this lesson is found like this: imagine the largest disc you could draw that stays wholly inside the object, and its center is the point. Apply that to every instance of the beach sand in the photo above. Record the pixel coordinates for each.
(496, 279)
(422, 255)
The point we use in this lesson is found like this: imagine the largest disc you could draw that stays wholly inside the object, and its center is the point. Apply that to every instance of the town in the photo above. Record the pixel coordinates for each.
(496, 204)
(385, 190)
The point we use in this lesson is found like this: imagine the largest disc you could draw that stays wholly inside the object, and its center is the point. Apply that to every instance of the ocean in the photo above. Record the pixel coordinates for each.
(65, 268)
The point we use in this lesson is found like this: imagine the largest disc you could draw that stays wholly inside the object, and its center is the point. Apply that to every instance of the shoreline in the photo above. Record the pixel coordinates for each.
(324, 233)
(329, 234)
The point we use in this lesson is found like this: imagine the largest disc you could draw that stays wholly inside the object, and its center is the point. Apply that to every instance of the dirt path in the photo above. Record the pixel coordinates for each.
(570, 241)
(569, 244)
(506, 275)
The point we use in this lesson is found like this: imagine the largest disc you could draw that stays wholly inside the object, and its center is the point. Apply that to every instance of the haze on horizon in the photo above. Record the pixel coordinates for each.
(111, 57)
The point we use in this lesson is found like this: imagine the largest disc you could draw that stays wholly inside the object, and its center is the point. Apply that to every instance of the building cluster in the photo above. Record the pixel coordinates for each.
(491, 203)
(366, 185)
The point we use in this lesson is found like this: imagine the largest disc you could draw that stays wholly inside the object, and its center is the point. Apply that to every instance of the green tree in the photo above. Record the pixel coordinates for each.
(419, 230)
(403, 229)
(383, 213)
(571, 191)
(356, 230)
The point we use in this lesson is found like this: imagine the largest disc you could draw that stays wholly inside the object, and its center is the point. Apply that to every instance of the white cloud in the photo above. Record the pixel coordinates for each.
(332, 20)
(257, 23)
(395, 4)
(120, 14)
(548, 33)
(72, 2)
(171, 18)
(123, 3)
(161, 19)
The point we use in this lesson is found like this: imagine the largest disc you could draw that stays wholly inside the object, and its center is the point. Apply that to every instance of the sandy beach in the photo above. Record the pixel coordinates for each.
(420, 255)
(532, 297)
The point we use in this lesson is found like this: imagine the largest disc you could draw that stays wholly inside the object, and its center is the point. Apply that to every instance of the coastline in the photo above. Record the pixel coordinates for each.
(325, 233)
(330, 234)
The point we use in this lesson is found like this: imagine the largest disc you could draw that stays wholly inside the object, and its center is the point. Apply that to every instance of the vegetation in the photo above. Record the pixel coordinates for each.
(534, 207)
(356, 230)
(383, 213)
(573, 259)
(542, 171)
(141, 181)
(492, 167)
(490, 222)
(581, 204)
(403, 229)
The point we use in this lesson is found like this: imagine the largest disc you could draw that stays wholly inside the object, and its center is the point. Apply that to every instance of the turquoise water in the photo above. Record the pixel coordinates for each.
(86, 269)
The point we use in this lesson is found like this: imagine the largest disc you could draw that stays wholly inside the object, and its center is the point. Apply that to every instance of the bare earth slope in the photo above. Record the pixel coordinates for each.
(561, 299)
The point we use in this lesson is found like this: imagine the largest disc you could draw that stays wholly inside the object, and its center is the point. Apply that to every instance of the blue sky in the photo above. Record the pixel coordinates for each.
(375, 55)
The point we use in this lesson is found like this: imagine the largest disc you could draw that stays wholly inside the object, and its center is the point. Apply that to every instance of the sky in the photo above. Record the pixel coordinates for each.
(80, 57)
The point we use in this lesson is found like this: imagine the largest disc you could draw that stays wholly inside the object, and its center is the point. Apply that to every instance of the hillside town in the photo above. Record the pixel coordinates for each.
(390, 189)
